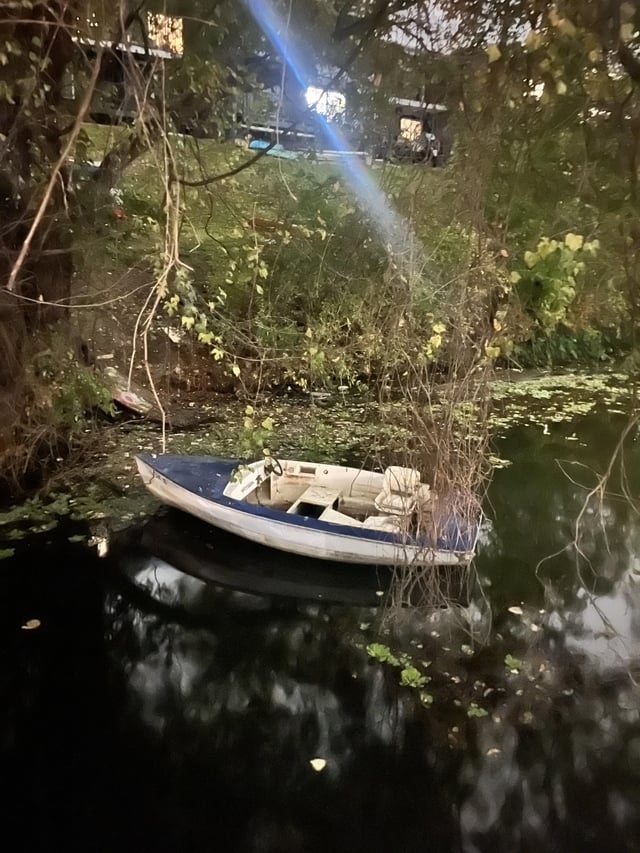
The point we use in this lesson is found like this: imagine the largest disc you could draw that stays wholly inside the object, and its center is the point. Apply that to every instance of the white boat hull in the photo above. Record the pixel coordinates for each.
(293, 538)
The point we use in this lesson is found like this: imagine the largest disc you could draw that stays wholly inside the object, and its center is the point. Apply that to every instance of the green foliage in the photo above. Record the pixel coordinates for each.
(73, 392)
(561, 349)
(410, 675)
(256, 434)
(383, 654)
(512, 663)
(77, 392)
(547, 281)
(474, 710)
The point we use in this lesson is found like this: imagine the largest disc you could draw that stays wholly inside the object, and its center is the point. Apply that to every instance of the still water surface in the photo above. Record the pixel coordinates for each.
(155, 711)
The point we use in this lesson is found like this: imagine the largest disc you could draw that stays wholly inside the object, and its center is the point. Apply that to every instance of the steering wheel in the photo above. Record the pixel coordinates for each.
(273, 466)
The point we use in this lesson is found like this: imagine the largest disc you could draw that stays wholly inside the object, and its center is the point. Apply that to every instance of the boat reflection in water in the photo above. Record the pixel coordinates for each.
(174, 540)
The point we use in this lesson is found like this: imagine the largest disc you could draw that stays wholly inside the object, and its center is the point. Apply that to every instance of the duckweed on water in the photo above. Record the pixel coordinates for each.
(542, 400)
(351, 431)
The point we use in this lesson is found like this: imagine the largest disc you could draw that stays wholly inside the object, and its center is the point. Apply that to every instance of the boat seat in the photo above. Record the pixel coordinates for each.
(398, 495)
(315, 500)
(335, 517)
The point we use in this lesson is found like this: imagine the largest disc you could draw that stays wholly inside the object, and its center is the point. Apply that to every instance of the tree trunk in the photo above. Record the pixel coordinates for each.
(36, 48)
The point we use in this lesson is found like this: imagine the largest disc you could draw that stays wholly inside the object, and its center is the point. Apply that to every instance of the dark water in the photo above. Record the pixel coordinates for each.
(152, 711)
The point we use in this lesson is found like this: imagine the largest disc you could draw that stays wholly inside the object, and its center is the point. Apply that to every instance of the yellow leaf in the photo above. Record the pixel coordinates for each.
(574, 241)
(235, 370)
(566, 27)
(493, 52)
(626, 32)
(561, 87)
(546, 247)
(515, 277)
(533, 40)
(318, 764)
(530, 259)
(31, 625)
(497, 325)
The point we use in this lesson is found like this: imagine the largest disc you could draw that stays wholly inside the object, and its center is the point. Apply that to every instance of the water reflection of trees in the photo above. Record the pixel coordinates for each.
(250, 705)
(534, 505)
(184, 719)
(246, 708)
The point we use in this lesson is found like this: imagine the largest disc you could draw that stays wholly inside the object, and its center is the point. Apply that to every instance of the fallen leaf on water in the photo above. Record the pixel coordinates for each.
(31, 624)
(494, 751)
(516, 610)
(318, 764)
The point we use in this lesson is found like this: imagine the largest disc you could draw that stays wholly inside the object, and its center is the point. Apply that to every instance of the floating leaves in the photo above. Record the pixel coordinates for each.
(474, 710)
(512, 663)
(318, 764)
(31, 625)
(555, 399)
(412, 677)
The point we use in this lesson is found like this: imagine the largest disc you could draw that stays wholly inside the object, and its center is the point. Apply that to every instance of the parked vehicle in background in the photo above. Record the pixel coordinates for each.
(411, 135)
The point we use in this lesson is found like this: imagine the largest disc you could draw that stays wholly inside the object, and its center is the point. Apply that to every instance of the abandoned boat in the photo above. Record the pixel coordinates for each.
(313, 509)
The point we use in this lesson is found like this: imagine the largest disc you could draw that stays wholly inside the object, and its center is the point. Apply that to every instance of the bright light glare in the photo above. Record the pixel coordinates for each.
(326, 103)
(393, 228)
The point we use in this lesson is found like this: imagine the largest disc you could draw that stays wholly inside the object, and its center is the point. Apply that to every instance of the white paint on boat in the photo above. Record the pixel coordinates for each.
(336, 543)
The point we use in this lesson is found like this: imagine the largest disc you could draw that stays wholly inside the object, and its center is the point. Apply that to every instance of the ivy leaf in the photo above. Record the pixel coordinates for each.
(626, 31)
(574, 242)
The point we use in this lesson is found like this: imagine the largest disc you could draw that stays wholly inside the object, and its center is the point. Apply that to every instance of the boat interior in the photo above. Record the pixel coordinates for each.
(388, 501)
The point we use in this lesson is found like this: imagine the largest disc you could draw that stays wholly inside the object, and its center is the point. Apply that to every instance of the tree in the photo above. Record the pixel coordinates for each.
(544, 96)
